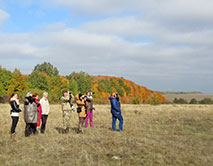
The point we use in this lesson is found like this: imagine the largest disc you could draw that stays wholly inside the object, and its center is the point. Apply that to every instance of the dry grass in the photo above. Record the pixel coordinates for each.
(153, 135)
(187, 96)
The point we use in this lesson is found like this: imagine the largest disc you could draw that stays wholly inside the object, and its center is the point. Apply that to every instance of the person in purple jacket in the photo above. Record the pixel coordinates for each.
(116, 112)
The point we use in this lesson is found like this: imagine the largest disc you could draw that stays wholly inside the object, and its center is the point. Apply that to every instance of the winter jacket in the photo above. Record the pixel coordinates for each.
(30, 110)
(14, 103)
(115, 107)
(45, 106)
(81, 105)
(66, 102)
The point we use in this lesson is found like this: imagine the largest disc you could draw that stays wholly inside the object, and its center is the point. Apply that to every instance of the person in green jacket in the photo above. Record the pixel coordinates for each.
(67, 108)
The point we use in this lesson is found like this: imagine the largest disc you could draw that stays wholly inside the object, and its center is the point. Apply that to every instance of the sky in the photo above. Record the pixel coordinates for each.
(165, 45)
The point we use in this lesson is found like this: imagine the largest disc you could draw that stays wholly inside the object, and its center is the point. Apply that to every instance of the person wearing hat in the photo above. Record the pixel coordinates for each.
(116, 112)
(67, 107)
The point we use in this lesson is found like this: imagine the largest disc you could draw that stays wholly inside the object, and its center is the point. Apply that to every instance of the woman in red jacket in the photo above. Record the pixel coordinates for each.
(36, 98)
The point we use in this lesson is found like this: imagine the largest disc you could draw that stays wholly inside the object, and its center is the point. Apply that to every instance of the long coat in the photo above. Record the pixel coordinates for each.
(30, 110)
(81, 104)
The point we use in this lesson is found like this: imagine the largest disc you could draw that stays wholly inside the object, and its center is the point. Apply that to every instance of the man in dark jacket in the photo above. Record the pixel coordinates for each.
(116, 112)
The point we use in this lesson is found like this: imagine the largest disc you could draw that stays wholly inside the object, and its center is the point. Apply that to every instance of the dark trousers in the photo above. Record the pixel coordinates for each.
(44, 121)
(14, 124)
(114, 118)
(81, 123)
(30, 128)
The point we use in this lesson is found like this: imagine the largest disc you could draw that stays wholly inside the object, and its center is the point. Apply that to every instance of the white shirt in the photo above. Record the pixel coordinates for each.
(45, 106)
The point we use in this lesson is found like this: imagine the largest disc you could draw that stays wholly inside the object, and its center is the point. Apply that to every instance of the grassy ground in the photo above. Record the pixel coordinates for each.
(153, 135)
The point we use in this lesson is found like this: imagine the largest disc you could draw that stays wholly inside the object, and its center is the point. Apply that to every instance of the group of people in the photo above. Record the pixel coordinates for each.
(36, 111)
(85, 109)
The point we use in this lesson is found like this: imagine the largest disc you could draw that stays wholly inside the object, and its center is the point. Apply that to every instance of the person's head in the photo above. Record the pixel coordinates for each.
(35, 95)
(114, 95)
(29, 94)
(89, 93)
(45, 94)
(65, 92)
(14, 95)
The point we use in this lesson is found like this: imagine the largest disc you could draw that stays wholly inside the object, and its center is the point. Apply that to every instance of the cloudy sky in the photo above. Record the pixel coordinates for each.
(166, 45)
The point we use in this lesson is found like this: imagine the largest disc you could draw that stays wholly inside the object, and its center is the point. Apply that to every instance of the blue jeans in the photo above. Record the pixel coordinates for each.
(114, 118)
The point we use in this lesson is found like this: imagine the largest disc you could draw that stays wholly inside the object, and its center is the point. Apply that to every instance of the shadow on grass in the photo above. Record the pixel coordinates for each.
(61, 130)
(75, 129)
(66, 131)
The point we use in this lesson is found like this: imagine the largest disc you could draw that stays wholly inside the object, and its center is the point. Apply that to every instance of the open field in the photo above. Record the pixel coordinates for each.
(187, 96)
(153, 135)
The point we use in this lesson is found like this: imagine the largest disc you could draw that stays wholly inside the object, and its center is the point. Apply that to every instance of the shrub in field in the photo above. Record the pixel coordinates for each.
(180, 101)
(206, 101)
(193, 101)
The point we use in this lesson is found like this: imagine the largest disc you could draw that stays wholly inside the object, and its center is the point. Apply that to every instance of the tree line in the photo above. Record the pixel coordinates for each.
(193, 101)
(45, 77)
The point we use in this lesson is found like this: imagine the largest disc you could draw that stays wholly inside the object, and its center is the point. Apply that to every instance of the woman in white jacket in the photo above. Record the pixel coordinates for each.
(45, 111)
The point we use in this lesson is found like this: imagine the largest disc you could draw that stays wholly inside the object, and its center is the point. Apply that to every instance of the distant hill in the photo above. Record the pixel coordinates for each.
(129, 91)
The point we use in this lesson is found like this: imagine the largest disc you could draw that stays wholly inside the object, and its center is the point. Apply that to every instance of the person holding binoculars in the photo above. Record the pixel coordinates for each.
(67, 107)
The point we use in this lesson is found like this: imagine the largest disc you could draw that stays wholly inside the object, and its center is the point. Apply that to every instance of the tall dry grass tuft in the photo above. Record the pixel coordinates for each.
(153, 135)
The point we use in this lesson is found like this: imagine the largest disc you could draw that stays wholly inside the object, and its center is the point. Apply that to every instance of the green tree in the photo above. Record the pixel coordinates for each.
(193, 101)
(180, 101)
(5, 77)
(73, 87)
(83, 80)
(116, 86)
(127, 89)
(47, 68)
(2, 90)
(206, 101)
(38, 80)
(104, 86)
(17, 83)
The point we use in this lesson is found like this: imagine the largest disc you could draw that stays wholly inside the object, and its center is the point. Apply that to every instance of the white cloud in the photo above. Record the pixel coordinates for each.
(3, 17)
(162, 42)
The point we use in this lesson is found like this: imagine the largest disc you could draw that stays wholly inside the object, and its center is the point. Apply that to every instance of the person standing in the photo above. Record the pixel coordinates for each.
(30, 114)
(90, 108)
(39, 109)
(81, 110)
(14, 103)
(67, 107)
(45, 111)
(116, 112)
